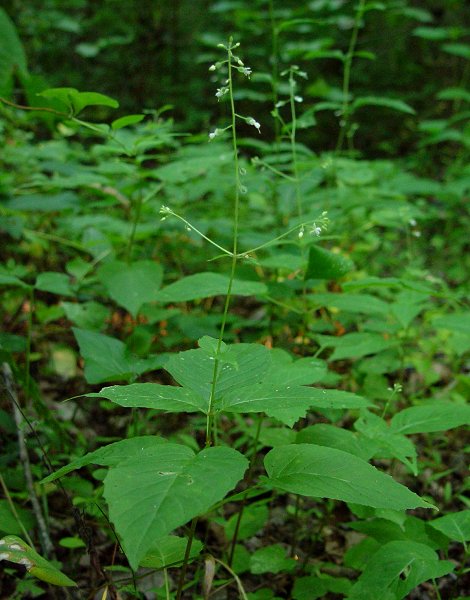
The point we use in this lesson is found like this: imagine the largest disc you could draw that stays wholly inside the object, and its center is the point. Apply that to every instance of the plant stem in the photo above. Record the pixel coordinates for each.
(187, 554)
(293, 131)
(249, 477)
(210, 413)
(344, 116)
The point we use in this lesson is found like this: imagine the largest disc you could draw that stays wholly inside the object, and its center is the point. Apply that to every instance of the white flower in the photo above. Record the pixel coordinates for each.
(412, 222)
(315, 230)
(212, 68)
(246, 71)
(254, 123)
(213, 134)
(221, 92)
(301, 232)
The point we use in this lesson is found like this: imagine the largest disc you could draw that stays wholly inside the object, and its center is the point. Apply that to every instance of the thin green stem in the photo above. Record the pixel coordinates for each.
(14, 512)
(249, 478)
(210, 415)
(293, 131)
(187, 554)
(344, 123)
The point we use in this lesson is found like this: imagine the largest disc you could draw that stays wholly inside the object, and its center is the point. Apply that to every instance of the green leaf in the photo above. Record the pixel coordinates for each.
(6, 279)
(287, 404)
(126, 121)
(132, 285)
(244, 364)
(396, 569)
(271, 559)
(354, 345)
(337, 437)
(9, 522)
(253, 519)
(455, 526)
(462, 50)
(318, 471)
(324, 264)
(12, 54)
(355, 303)
(87, 315)
(13, 549)
(108, 359)
(76, 101)
(55, 283)
(110, 455)
(150, 498)
(434, 416)
(154, 395)
(205, 285)
(169, 551)
(454, 93)
(303, 371)
(392, 103)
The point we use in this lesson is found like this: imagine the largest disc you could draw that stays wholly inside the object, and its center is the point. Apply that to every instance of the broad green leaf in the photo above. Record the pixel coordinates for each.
(132, 285)
(13, 549)
(458, 322)
(55, 283)
(285, 371)
(9, 522)
(434, 416)
(246, 364)
(254, 517)
(396, 569)
(454, 93)
(354, 345)
(271, 559)
(169, 551)
(355, 303)
(110, 455)
(108, 359)
(12, 54)
(126, 121)
(76, 101)
(154, 395)
(6, 279)
(313, 587)
(337, 437)
(287, 404)
(318, 471)
(392, 103)
(149, 499)
(205, 285)
(462, 50)
(390, 443)
(324, 264)
(87, 315)
(455, 526)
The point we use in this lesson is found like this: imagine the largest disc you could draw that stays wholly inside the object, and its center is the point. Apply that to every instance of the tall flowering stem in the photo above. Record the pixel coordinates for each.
(233, 62)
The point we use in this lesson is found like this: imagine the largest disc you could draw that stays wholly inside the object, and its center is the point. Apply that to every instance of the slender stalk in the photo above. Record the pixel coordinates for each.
(249, 478)
(14, 511)
(293, 131)
(135, 222)
(344, 123)
(187, 554)
(210, 415)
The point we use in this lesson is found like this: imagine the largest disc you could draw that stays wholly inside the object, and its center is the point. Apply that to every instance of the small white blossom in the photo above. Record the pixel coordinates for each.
(212, 68)
(298, 98)
(301, 232)
(221, 92)
(417, 233)
(254, 123)
(246, 71)
(213, 134)
(315, 230)
(412, 222)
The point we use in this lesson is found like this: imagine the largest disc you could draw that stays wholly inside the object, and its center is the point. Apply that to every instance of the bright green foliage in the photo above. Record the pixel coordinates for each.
(149, 499)
(169, 551)
(323, 472)
(396, 569)
(13, 549)
(131, 285)
(76, 101)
